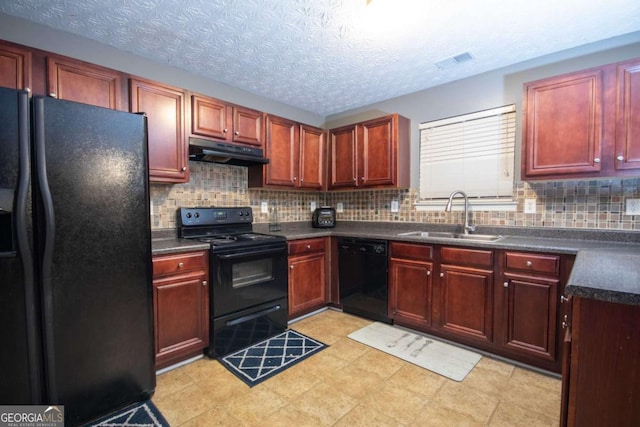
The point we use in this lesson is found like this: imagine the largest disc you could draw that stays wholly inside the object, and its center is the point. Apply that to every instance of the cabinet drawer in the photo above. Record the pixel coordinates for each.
(532, 262)
(177, 263)
(467, 256)
(306, 246)
(411, 251)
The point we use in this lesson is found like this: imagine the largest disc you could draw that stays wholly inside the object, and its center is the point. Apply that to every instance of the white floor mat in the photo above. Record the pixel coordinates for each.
(444, 359)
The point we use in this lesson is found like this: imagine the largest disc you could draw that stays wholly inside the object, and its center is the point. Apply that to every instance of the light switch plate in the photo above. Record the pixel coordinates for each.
(264, 207)
(632, 207)
(312, 206)
(339, 207)
(529, 206)
(394, 206)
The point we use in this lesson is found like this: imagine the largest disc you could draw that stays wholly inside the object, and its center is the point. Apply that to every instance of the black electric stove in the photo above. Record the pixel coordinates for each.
(248, 275)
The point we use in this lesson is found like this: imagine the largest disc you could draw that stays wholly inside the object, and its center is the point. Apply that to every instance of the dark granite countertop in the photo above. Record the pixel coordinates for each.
(607, 262)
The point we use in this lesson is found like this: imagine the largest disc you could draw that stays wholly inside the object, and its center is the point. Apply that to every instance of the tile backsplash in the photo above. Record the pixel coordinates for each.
(560, 204)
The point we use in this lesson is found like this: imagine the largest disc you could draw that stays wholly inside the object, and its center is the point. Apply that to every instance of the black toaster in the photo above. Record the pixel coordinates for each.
(324, 217)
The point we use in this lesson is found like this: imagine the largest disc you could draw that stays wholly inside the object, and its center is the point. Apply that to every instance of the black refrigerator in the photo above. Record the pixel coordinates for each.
(76, 312)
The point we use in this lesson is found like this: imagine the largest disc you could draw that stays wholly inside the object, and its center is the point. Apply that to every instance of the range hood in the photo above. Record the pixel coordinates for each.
(203, 150)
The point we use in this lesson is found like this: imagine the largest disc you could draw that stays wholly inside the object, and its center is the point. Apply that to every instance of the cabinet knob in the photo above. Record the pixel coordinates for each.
(295, 178)
(563, 299)
(529, 263)
(225, 130)
(355, 179)
(505, 284)
(620, 158)
(180, 264)
(204, 283)
(565, 321)
(53, 95)
(291, 267)
(428, 273)
(596, 160)
(184, 168)
(236, 132)
(309, 247)
(301, 179)
(441, 274)
(27, 89)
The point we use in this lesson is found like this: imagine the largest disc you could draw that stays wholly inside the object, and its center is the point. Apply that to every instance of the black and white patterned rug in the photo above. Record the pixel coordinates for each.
(265, 359)
(142, 414)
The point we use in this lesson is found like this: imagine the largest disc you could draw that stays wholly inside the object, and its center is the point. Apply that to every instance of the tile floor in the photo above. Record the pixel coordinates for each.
(350, 384)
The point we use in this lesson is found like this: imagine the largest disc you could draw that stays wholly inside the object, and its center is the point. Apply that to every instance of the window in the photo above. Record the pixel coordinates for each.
(473, 153)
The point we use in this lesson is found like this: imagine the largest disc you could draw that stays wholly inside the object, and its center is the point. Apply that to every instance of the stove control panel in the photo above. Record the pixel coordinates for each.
(214, 216)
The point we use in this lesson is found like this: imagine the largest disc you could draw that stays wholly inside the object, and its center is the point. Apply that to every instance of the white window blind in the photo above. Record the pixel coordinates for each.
(473, 152)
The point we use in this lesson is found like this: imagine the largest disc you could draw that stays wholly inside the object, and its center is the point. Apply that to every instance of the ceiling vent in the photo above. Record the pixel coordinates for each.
(454, 60)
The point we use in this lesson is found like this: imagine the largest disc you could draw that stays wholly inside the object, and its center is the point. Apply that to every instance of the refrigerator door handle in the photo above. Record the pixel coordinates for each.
(22, 242)
(47, 253)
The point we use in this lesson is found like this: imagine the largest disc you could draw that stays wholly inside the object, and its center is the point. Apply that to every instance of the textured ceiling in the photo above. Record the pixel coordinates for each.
(328, 56)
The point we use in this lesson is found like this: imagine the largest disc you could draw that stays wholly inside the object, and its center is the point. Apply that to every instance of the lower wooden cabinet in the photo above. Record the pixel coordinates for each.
(307, 276)
(181, 306)
(410, 283)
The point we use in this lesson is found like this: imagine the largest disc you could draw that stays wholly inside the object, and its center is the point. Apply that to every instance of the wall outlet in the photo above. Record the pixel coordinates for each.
(632, 207)
(395, 206)
(264, 207)
(529, 206)
(312, 206)
(339, 207)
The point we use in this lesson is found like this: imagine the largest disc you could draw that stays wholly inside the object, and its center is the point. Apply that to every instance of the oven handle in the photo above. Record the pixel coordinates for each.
(253, 315)
(252, 253)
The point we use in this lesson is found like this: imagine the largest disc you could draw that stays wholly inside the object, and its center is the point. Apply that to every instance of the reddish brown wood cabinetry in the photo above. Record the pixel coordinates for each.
(297, 156)
(410, 283)
(374, 153)
(220, 121)
(181, 306)
(602, 385)
(15, 66)
(168, 148)
(307, 276)
(83, 82)
(583, 124)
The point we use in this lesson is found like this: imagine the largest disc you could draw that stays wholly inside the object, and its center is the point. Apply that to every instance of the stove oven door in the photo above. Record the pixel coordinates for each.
(248, 277)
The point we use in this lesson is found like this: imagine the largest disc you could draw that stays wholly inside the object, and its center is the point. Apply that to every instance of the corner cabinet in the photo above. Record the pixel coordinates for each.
(370, 154)
(180, 306)
(307, 276)
(583, 124)
(168, 148)
(297, 156)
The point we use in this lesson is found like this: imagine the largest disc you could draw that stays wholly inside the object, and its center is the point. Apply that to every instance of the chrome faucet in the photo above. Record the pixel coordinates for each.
(467, 228)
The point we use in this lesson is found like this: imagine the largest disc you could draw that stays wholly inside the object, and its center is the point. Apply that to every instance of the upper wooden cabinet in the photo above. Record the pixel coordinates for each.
(15, 67)
(221, 121)
(83, 82)
(296, 153)
(583, 124)
(168, 148)
(374, 153)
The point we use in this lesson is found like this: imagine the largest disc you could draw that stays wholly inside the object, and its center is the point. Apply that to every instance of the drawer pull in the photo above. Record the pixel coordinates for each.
(180, 264)
(529, 263)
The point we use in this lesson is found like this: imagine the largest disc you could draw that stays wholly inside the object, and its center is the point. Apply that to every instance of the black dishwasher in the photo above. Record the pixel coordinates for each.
(363, 271)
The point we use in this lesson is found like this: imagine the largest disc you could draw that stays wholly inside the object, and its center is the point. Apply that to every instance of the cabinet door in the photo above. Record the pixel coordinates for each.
(164, 107)
(82, 82)
(563, 125)
(15, 67)
(210, 118)
(181, 316)
(530, 313)
(313, 154)
(410, 291)
(628, 116)
(343, 157)
(466, 306)
(247, 126)
(307, 283)
(377, 162)
(281, 148)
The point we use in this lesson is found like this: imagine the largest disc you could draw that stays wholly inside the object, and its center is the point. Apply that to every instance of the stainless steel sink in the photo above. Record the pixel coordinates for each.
(447, 235)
